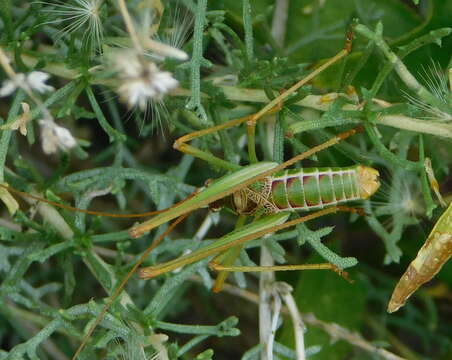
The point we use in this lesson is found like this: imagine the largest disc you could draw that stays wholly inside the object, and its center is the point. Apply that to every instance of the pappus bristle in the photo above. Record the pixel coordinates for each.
(436, 82)
(84, 15)
(180, 24)
(401, 196)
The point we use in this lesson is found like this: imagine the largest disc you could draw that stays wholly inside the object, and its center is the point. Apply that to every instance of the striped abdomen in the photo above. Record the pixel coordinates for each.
(310, 188)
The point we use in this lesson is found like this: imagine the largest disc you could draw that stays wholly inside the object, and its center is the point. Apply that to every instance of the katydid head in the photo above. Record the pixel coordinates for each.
(368, 181)
(242, 202)
(239, 202)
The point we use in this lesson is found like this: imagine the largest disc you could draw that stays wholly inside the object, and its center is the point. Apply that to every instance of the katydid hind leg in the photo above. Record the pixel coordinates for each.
(321, 266)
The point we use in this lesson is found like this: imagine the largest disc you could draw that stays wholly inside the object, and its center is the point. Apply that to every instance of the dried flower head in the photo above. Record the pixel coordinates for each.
(141, 80)
(21, 121)
(159, 44)
(36, 80)
(54, 137)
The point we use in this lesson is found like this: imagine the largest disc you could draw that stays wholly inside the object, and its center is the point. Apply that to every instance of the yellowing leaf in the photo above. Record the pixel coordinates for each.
(8, 200)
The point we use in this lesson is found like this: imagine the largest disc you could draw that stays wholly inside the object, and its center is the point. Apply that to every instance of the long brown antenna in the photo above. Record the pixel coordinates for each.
(90, 212)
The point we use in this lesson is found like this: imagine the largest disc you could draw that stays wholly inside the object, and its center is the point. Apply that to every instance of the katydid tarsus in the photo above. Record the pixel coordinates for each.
(265, 189)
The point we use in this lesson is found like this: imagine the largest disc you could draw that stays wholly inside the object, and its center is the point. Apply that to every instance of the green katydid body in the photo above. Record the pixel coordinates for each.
(287, 190)
(304, 189)
(277, 195)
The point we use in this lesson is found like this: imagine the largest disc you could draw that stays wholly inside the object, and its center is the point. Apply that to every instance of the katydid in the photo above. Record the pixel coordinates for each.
(278, 195)
(341, 184)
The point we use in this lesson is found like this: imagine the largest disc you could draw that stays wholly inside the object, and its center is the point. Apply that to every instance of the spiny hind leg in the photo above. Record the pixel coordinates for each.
(213, 265)
(277, 103)
(223, 264)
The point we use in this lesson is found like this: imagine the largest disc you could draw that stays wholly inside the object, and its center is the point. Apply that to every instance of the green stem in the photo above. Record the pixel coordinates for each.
(403, 72)
(211, 159)
(191, 343)
(388, 155)
(113, 134)
(248, 25)
(6, 15)
(251, 132)
(430, 205)
(6, 134)
(197, 61)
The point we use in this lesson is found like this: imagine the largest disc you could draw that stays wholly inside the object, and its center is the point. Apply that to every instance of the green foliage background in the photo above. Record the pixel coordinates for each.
(51, 285)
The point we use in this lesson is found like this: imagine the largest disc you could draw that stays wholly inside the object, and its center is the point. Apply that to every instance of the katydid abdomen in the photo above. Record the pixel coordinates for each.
(307, 189)
(310, 188)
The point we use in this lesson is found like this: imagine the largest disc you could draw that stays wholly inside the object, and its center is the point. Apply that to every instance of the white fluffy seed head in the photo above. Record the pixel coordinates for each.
(54, 137)
(435, 81)
(35, 81)
(141, 80)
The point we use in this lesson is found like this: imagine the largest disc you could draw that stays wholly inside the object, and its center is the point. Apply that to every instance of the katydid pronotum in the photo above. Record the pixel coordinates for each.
(264, 189)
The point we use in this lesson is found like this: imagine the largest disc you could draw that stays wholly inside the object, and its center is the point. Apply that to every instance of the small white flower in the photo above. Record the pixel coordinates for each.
(10, 85)
(142, 81)
(54, 137)
(33, 81)
(36, 80)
